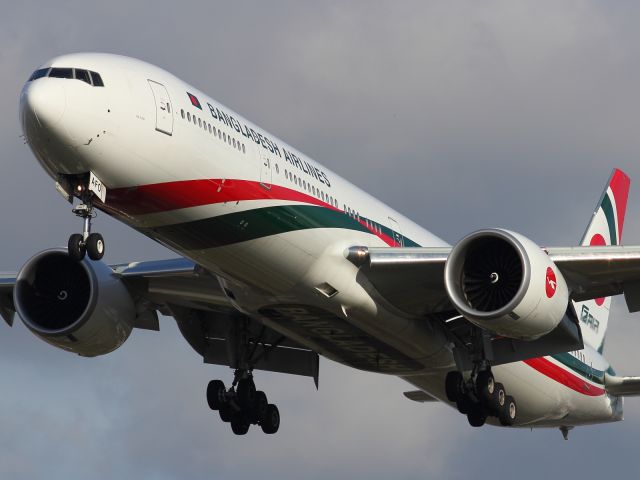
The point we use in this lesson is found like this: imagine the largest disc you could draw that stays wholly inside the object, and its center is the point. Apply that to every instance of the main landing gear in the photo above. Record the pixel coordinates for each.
(480, 397)
(242, 405)
(86, 242)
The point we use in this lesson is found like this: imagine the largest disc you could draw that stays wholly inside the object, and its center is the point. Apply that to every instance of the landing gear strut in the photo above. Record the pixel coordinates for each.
(242, 405)
(85, 242)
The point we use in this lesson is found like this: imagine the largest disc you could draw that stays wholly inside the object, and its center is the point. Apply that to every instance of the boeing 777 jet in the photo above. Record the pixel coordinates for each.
(280, 261)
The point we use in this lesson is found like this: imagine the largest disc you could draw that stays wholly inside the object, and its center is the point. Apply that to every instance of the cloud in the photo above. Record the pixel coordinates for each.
(461, 115)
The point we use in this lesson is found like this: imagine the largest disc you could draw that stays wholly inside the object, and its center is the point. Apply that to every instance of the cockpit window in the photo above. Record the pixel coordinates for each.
(97, 79)
(92, 78)
(82, 75)
(61, 73)
(39, 74)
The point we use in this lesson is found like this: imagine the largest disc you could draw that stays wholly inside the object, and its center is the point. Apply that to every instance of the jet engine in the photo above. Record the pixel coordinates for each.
(503, 282)
(81, 306)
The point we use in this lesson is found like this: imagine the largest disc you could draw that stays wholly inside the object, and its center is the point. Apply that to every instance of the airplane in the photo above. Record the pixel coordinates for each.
(281, 261)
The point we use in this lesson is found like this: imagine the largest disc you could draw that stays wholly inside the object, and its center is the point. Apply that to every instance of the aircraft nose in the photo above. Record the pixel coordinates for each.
(43, 101)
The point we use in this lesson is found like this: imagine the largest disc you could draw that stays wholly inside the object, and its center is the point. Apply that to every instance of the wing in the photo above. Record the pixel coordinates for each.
(411, 280)
(593, 272)
(209, 322)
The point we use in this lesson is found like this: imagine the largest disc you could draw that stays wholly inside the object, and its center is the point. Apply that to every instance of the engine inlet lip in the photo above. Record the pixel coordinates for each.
(82, 319)
(455, 263)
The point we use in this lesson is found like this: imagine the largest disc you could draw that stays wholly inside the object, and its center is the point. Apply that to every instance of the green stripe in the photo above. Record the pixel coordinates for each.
(611, 219)
(579, 367)
(256, 223)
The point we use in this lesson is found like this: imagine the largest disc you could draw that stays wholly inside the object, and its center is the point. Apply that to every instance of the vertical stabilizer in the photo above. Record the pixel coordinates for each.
(605, 229)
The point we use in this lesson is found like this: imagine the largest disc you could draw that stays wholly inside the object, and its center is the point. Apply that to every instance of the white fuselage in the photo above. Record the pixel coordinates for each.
(271, 223)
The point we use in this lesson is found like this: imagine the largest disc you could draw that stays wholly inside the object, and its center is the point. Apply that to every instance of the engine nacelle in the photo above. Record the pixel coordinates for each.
(77, 306)
(503, 282)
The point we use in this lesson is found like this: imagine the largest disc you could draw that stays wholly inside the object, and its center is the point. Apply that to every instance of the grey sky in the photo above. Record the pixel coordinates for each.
(461, 115)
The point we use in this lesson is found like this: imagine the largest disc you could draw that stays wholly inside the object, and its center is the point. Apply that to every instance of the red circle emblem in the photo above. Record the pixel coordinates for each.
(550, 283)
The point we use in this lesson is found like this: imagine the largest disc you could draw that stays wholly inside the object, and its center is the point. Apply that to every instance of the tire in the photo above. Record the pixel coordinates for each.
(486, 387)
(246, 391)
(464, 404)
(215, 394)
(271, 422)
(452, 385)
(76, 247)
(498, 399)
(509, 412)
(259, 409)
(226, 413)
(95, 246)
(240, 424)
(477, 416)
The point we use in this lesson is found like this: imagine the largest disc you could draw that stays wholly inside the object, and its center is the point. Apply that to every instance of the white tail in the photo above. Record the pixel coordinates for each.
(605, 228)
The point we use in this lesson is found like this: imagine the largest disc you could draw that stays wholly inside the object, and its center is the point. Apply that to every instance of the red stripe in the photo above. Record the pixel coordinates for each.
(564, 377)
(162, 197)
(620, 187)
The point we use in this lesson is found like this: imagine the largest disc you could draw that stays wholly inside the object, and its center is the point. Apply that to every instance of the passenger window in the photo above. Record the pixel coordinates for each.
(38, 74)
(199, 122)
(189, 116)
(182, 112)
(97, 79)
(243, 148)
(234, 142)
(209, 128)
(61, 73)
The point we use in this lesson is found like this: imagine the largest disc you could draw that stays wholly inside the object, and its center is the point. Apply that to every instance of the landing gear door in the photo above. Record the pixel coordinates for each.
(265, 172)
(398, 239)
(164, 110)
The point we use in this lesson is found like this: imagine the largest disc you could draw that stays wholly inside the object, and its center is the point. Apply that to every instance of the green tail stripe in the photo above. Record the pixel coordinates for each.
(611, 219)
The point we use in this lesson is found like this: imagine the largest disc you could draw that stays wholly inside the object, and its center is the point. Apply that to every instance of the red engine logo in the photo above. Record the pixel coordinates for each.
(551, 283)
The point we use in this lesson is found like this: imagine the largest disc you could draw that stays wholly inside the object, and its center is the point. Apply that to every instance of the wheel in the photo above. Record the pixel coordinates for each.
(498, 399)
(240, 424)
(464, 404)
(226, 413)
(485, 387)
(215, 394)
(259, 408)
(509, 411)
(76, 247)
(271, 421)
(477, 416)
(452, 385)
(95, 246)
(246, 391)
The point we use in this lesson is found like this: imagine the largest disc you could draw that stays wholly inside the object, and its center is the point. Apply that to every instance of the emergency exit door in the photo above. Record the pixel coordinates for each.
(164, 112)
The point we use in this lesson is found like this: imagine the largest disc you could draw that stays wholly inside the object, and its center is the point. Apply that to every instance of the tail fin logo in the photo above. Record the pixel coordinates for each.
(551, 283)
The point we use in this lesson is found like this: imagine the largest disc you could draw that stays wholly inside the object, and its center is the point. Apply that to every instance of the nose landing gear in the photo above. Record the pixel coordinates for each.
(86, 242)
